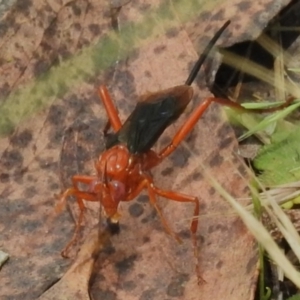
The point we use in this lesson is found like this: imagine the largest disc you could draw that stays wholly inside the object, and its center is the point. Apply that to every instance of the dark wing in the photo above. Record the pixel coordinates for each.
(151, 116)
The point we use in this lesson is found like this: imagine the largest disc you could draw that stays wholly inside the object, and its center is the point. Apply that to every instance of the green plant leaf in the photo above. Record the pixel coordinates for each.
(280, 161)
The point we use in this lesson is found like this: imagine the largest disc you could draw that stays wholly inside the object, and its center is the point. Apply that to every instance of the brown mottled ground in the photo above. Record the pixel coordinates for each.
(60, 135)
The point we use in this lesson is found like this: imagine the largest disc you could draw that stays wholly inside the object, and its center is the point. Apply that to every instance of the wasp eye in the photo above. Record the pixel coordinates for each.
(95, 186)
(117, 190)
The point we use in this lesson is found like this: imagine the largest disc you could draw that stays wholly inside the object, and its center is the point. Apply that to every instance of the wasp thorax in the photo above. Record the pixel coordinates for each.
(114, 161)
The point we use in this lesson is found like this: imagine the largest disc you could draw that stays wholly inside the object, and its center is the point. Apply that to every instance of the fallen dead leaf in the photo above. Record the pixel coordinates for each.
(145, 263)
(75, 283)
(3, 258)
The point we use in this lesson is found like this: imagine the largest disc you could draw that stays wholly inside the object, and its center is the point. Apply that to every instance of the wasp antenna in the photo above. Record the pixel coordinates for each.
(104, 177)
(204, 54)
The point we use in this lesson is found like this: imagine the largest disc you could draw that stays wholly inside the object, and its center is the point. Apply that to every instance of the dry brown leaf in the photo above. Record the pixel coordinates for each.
(145, 262)
(75, 283)
(38, 34)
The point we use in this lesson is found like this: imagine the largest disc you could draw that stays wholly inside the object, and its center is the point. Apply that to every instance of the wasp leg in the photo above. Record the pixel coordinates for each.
(113, 115)
(179, 197)
(188, 126)
(80, 196)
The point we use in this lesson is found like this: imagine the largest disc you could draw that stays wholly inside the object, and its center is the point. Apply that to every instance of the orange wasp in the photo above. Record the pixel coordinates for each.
(123, 169)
